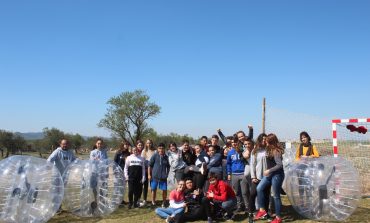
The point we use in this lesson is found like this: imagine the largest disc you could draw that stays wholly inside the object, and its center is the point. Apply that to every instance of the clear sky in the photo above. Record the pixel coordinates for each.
(207, 63)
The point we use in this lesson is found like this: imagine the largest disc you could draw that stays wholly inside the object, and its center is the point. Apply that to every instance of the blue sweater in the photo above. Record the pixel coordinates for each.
(235, 163)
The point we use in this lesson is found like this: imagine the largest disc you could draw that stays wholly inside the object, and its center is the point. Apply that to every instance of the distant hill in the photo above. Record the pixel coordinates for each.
(31, 135)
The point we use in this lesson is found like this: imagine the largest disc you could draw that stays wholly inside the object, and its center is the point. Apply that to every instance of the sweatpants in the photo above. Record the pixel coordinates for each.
(135, 188)
(239, 185)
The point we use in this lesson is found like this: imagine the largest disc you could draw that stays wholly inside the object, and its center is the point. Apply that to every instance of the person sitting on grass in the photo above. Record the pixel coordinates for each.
(177, 203)
(220, 195)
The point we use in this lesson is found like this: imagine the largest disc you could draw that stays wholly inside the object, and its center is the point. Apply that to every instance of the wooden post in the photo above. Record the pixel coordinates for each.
(264, 115)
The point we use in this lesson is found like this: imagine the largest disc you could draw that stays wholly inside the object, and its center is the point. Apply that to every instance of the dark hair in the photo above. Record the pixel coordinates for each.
(185, 141)
(204, 137)
(240, 131)
(99, 139)
(215, 137)
(259, 143)
(161, 145)
(274, 145)
(172, 144)
(139, 141)
(304, 133)
(209, 147)
(187, 179)
(213, 175)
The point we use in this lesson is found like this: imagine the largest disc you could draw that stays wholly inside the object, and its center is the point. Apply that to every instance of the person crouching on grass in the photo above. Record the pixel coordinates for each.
(219, 195)
(177, 203)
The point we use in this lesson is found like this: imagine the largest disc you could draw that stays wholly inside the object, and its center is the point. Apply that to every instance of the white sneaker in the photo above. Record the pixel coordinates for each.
(143, 203)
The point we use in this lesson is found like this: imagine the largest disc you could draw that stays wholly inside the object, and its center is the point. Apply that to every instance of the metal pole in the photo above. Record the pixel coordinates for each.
(264, 115)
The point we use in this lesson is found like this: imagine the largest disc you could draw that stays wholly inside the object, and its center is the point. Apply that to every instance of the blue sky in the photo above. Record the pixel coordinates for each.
(207, 63)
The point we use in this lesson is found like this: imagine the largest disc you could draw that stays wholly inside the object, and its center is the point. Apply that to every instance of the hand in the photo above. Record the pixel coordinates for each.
(228, 177)
(266, 173)
(218, 130)
(250, 126)
(196, 192)
(210, 194)
(254, 180)
(149, 177)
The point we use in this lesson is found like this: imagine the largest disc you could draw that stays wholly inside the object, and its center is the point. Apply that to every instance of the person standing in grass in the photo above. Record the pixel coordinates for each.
(135, 174)
(177, 203)
(274, 175)
(120, 158)
(62, 156)
(147, 153)
(159, 167)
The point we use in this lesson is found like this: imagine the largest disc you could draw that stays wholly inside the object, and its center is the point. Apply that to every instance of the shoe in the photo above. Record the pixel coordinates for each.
(136, 205)
(229, 217)
(277, 220)
(163, 204)
(169, 219)
(260, 215)
(268, 218)
(209, 220)
(142, 204)
(123, 203)
(129, 206)
(250, 218)
(153, 203)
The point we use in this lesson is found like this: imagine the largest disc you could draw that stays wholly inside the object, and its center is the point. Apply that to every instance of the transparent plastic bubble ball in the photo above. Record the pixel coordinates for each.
(288, 160)
(93, 188)
(324, 189)
(31, 189)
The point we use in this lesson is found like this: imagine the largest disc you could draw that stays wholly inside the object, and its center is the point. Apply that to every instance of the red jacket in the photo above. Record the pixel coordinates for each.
(222, 191)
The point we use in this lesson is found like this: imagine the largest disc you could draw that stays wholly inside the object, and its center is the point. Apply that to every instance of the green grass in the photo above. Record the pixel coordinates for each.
(147, 215)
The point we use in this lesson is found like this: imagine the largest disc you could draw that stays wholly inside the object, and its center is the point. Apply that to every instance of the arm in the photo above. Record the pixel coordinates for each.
(116, 158)
(92, 155)
(222, 136)
(228, 164)
(53, 156)
(143, 170)
(252, 166)
(216, 161)
(173, 204)
(126, 167)
(250, 134)
(223, 193)
(297, 157)
(315, 152)
(279, 164)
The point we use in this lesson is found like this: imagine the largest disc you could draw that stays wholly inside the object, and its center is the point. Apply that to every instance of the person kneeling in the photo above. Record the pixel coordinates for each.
(219, 195)
(177, 203)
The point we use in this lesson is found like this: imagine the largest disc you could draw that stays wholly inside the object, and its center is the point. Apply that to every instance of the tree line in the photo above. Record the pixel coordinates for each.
(126, 118)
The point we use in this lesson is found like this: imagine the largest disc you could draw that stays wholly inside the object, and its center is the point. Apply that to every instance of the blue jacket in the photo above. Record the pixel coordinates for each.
(235, 163)
(160, 167)
(215, 163)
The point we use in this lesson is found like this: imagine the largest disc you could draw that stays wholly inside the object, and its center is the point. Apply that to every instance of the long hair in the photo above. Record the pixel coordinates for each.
(258, 144)
(273, 146)
(304, 133)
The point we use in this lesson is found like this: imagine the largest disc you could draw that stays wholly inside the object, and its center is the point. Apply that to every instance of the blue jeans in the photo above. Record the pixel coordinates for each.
(229, 205)
(165, 212)
(276, 181)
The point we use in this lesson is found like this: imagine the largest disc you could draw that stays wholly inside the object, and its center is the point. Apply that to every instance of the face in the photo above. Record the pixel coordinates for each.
(135, 151)
(304, 139)
(189, 184)
(203, 142)
(99, 144)
(64, 144)
(212, 181)
(240, 136)
(160, 150)
(234, 144)
(181, 185)
(264, 143)
(197, 149)
(148, 144)
(185, 147)
(214, 141)
(248, 145)
(173, 148)
(211, 151)
(140, 146)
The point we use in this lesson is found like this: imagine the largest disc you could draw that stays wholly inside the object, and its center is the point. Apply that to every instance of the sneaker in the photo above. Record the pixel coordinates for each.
(129, 206)
(136, 205)
(250, 218)
(277, 220)
(268, 218)
(260, 215)
(163, 204)
(209, 220)
(142, 204)
(153, 203)
(169, 219)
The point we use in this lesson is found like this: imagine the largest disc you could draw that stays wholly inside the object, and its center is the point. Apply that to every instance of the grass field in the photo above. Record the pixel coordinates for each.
(147, 215)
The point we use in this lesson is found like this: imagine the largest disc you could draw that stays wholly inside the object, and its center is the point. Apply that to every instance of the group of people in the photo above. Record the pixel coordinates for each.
(242, 176)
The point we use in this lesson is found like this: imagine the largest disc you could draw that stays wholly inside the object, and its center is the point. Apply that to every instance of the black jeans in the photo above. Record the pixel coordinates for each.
(253, 195)
(135, 188)
(193, 214)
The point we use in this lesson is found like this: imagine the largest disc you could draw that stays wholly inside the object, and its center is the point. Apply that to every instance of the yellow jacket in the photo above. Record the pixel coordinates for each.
(315, 153)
